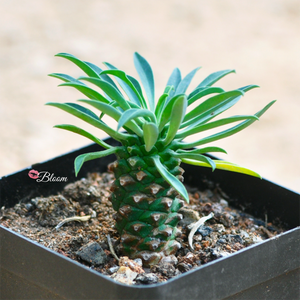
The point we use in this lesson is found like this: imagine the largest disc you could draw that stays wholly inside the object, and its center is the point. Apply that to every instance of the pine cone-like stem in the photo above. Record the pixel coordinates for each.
(146, 205)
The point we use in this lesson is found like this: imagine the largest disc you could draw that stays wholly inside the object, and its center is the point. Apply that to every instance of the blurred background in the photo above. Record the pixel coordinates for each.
(259, 39)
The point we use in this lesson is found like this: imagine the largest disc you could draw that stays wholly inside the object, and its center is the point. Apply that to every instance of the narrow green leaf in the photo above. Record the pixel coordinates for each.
(162, 100)
(214, 77)
(201, 92)
(248, 87)
(89, 117)
(223, 165)
(133, 113)
(176, 118)
(103, 77)
(84, 133)
(171, 179)
(174, 80)
(217, 109)
(64, 77)
(92, 94)
(209, 105)
(225, 133)
(185, 82)
(196, 157)
(146, 75)
(193, 130)
(126, 84)
(114, 113)
(136, 84)
(166, 112)
(113, 104)
(110, 90)
(103, 107)
(150, 135)
(203, 150)
(81, 64)
(81, 159)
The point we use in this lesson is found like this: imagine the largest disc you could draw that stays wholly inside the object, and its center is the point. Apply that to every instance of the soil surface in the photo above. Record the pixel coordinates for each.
(260, 39)
(79, 223)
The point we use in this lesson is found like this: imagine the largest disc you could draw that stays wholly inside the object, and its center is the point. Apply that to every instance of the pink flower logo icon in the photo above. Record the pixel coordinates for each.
(33, 174)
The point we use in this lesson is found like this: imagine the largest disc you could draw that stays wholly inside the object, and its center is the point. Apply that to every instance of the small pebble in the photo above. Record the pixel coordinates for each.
(221, 241)
(93, 254)
(218, 228)
(133, 265)
(235, 238)
(138, 261)
(125, 275)
(113, 270)
(29, 207)
(244, 233)
(217, 208)
(149, 278)
(204, 230)
(224, 203)
(183, 267)
(164, 269)
(219, 253)
(170, 259)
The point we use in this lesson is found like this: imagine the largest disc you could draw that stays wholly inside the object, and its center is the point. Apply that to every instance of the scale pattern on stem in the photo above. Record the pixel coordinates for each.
(147, 206)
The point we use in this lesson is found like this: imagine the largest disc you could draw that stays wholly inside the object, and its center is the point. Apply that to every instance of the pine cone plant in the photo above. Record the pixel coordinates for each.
(148, 189)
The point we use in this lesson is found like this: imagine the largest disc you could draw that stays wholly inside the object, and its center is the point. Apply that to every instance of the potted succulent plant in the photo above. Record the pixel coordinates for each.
(148, 176)
(148, 190)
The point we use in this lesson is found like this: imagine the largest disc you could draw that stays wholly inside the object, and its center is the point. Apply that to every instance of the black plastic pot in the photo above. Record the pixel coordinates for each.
(268, 270)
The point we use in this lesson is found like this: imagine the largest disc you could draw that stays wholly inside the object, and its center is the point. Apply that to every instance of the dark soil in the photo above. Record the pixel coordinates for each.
(87, 241)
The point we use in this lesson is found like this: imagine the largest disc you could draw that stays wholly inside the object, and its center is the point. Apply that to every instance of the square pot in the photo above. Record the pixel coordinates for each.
(267, 270)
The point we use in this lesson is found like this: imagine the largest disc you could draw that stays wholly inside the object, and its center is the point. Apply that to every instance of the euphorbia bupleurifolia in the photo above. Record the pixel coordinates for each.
(148, 191)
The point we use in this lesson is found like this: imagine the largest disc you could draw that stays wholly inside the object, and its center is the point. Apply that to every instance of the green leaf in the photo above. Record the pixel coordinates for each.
(92, 94)
(196, 157)
(136, 84)
(126, 84)
(211, 104)
(225, 133)
(216, 108)
(146, 75)
(214, 77)
(81, 64)
(248, 88)
(201, 92)
(64, 77)
(110, 90)
(203, 150)
(185, 82)
(175, 78)
(193, 130)
(174, 81)
(84, 133)
(103, 107)
(103, 77)
(177, 115)
(223, 165)
(133, 113)
(81, 159)
(162, 100)
(89, 117)
(166, 112)
(150, 135)
(114, 113)
(171, 179)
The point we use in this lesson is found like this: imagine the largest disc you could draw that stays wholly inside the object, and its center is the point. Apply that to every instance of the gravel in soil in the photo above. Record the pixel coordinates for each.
(85, 239)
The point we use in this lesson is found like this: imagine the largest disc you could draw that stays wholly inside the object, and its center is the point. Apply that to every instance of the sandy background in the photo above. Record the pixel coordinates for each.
(260, 39)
